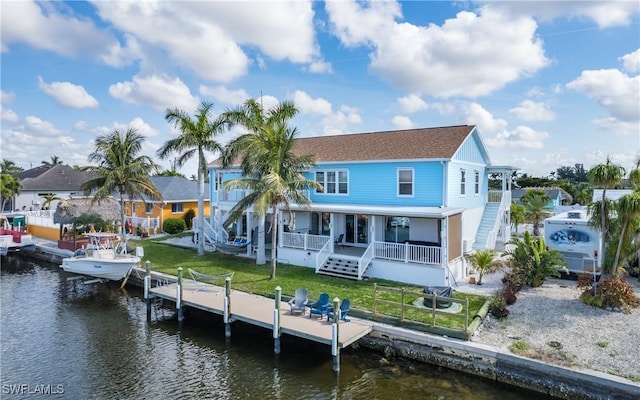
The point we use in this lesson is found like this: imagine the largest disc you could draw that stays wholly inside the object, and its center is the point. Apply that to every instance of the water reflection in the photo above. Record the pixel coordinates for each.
(95, 340)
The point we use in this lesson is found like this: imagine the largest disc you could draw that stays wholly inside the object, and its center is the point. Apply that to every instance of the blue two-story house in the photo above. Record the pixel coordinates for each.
(400, 205)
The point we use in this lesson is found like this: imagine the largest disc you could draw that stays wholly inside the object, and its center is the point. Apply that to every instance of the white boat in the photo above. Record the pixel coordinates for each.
(12, 240)
(101, 259)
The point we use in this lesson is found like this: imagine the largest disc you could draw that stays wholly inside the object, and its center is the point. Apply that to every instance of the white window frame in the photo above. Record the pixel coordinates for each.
(463, 183)
(400, 183)
(477, 183)
(340, 178)
(175, 206)
(217, 181)
(148, 208)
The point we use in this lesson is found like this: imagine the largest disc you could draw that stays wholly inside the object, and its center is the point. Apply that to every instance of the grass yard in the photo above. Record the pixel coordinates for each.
(253, 278)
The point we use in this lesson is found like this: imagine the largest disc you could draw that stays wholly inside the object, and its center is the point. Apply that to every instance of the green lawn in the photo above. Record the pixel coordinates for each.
(253, 278)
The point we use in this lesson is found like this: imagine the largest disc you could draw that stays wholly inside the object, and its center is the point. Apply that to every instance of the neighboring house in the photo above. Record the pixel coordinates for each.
(559, 197)
(612, 194)
(400, 205)
(61, 180)
(178, 196)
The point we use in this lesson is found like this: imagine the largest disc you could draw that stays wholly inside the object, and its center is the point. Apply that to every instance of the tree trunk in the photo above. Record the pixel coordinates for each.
(121, 216)
(260, 256)
(603, 229)
(200, 212)
(619, 249)
(274, 246)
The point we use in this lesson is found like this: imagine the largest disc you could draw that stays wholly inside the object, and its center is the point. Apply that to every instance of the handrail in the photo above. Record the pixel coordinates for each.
(323, 255)
(365, 260)
(492, 236)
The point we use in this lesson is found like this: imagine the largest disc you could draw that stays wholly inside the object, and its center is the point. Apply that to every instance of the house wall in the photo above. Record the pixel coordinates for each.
(29, 198)
(415, 274)
(381, 179)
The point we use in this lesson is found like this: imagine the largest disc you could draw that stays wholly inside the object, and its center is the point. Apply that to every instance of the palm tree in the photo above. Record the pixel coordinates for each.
(535, 203)
(484, 261)
(121, 169)
(48, 199)
(9, 167)
(9, 187)
(197, 136)
(606, 176)
(55, 160)
(628, 211)
(271, 170)
(517, 212)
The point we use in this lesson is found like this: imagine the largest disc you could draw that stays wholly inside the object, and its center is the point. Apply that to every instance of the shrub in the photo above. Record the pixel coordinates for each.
(173, 225)
(484, 261)
(498, 306)
(188, 217)
(514, 280)
(509, 295)
(534, 261)
(609, 292)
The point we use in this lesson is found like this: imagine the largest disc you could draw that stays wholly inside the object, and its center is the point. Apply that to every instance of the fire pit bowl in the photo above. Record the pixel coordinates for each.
(442, 291)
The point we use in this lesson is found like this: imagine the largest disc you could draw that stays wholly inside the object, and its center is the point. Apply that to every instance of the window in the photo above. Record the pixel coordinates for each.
(405, 182)
(176, 207)
(333, 182)
(463, 182)
(218, 181)
(148, 208)
(477, 182)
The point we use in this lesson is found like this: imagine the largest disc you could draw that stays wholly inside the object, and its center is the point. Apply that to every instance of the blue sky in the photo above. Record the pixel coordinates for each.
(548, 83)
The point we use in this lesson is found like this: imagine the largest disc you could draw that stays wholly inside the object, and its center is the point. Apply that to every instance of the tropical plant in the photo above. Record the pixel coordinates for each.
(55, 160)
(48, 199)
(9, 187)
(188, 217)
(628, 212)
(271, 170)
(610, 292)
(517, 213)
(484, 261)
(535, 208)
(120, 169)
(605, 176)
(196, 137)
(9, 167)
(531, 259)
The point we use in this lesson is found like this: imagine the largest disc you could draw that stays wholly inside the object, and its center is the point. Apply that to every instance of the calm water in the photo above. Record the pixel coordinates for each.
(94, 342)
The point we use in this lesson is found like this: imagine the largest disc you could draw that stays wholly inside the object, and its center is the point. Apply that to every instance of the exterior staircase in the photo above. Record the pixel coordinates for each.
(487, 224)
(340, 266)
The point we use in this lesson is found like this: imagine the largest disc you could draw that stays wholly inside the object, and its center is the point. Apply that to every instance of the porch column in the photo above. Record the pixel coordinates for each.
(332, 239)
(445, 243)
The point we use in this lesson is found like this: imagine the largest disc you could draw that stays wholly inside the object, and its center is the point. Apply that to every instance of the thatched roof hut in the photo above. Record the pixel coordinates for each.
(69, 209)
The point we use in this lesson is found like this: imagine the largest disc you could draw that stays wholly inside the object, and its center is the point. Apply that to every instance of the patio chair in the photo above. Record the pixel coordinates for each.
(345, 307)
(321, 306)
(338, 241)
(299, 302)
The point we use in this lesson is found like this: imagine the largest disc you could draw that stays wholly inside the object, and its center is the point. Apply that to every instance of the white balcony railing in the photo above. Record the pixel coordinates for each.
(408, 253)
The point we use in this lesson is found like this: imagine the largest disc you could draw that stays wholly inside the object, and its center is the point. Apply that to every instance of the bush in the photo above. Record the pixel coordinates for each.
(173, 225)
(609, 292)
(533, 262)
(188, 218)
(513, 280)
(498, 306)
(509, 295)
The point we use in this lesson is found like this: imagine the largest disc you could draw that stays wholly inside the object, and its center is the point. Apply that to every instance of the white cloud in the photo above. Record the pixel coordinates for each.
(522, 137)
(7, 115)
(533, 111)
(435, 59)
(613, 125)
(224, 95)
(157, 91)
(50, 26)
(402, 122)
(40, 126)
(137, 123)
(81, 125)
(206, 37)
(475, 114)
(412, 103)
(615, 91)
(7, 97)
(333, 122)
(320, 67)
(631, 61)
(67, 94)
(308, 105)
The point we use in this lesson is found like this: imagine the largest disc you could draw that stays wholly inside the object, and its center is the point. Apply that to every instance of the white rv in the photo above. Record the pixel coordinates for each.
(569, 233)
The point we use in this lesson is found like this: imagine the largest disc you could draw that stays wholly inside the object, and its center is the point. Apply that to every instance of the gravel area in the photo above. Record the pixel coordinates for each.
(561, 329)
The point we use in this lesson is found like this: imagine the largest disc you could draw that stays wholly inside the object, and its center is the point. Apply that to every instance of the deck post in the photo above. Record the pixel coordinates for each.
(227, 307)
(147, 286)
(335, 343)
(276, 321)
(179, 296)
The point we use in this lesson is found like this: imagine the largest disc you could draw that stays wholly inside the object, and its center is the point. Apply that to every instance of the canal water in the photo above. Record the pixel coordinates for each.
(71, 341)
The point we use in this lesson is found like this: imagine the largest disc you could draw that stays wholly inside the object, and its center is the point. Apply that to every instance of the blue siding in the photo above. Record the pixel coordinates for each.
(470, 151)
(377, 184)
(470, 199)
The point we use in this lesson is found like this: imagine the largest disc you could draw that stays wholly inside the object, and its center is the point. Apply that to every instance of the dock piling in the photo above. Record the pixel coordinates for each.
(147, 286)
(276, 321)
(227, 307)
(335, 343)
(179, 297)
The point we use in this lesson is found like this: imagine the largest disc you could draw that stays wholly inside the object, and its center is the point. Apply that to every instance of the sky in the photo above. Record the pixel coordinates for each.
(547, 83)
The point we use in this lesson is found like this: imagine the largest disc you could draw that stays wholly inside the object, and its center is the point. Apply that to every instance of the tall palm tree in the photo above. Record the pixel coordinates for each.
(272, 171)
(628, 211)
(121, 169)
(55, 160)
(605, 176)
(197, 136)
(535, 203)
(517, 214)
(9, 187)
(9, 167)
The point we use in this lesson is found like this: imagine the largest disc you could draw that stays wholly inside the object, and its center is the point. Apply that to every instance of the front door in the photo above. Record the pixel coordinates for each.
(357, 229)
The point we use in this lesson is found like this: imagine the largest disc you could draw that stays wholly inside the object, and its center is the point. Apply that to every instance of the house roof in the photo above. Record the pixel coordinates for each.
(52, 178)
(177, 189)
(404, 211)
(612, 194)
(550, 191)
(409, 144)
(69, 209)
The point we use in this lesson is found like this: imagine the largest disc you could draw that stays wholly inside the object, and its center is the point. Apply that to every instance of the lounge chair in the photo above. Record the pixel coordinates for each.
(299, 302)
(320, 306)
(345, 307)
(338, 241)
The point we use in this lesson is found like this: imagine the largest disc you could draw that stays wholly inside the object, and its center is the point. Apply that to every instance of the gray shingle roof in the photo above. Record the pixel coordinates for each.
(177, 189)
(52, 178)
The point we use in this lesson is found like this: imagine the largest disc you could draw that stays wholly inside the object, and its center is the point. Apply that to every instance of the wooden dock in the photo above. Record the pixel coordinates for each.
(260, 311)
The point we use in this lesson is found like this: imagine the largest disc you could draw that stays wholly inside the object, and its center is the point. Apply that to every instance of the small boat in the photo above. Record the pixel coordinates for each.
(13, 236)
(101, 259)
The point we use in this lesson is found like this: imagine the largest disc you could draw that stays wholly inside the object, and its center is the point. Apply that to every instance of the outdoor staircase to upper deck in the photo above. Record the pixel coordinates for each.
(340, 266)
(486, 225)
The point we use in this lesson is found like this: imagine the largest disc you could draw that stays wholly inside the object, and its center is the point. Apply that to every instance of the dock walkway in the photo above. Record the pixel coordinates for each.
(259, 311)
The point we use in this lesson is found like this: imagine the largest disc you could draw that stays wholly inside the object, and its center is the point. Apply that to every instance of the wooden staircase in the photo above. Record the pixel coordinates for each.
(340, 266)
